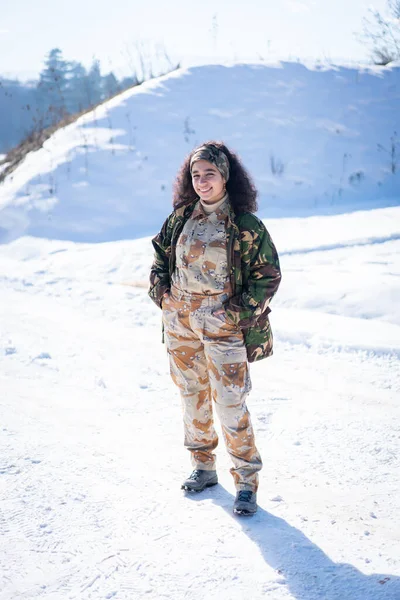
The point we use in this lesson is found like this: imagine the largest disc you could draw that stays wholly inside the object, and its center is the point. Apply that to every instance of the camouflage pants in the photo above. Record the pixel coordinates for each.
(208, 362)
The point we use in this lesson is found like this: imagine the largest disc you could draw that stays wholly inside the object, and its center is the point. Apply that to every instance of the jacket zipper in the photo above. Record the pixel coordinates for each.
(230, 250)
(172, 255)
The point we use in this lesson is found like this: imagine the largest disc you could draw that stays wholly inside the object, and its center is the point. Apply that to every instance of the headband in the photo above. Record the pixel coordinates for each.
(213, 155)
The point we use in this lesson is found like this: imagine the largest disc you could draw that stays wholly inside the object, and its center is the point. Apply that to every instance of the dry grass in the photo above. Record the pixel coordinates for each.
(35, 140)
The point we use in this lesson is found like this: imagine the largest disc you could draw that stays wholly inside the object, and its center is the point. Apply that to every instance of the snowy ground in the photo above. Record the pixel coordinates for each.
(91, 436)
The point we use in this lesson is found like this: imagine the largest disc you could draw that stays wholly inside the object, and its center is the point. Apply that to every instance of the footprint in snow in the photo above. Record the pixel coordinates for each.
(42, 356)
(277, 499)
(9, 470)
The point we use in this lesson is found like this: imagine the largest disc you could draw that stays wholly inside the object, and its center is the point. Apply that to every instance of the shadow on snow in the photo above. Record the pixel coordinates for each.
(308, 572)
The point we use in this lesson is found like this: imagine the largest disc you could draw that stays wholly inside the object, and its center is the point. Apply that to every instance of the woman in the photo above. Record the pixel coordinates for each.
(214, 273)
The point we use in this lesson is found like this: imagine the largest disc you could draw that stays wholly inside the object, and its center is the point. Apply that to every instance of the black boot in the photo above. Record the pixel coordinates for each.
(245, 503)
(199, 480)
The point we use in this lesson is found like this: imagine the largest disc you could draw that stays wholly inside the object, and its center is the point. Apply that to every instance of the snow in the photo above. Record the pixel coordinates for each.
(3, 165)
(317, 139)
(92, 454)
(91, 444)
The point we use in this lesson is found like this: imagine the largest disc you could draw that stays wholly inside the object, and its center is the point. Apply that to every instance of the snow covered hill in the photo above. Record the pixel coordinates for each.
(318, 140)
(91, 440)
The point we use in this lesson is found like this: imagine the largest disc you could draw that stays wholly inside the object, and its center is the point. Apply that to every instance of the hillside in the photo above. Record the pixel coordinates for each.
(318, 140)
(91, 444)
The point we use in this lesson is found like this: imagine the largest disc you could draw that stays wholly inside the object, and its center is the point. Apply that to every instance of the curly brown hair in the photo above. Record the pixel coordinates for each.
(240, 186)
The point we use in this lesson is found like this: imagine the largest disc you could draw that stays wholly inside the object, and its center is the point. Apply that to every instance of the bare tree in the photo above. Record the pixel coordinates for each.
(382, 33)
(147, 60)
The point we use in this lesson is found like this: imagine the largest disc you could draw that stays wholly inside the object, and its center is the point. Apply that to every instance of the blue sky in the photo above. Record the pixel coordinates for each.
(192, 32)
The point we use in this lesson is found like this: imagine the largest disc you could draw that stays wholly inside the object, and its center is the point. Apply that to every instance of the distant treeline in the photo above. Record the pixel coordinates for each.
(64, 87)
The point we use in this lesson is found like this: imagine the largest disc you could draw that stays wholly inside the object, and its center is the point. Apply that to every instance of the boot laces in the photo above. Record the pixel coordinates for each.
(195, 475)
(244, 495)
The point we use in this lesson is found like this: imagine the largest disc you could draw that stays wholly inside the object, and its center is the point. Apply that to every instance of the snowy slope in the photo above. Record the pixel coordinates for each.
(92, 452)
(318, 140)
(91, 444)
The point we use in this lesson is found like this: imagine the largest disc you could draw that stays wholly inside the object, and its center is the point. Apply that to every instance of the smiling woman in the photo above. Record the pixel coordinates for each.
(214, 273)
(208, 182)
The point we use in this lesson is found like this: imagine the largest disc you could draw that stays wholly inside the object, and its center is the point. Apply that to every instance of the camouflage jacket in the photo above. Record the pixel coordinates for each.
(254, 269)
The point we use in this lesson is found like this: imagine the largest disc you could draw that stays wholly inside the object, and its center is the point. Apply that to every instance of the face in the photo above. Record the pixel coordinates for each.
(207, 181)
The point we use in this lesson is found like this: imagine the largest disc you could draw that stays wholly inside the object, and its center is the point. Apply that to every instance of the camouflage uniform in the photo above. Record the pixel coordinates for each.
(201, 264)
(207, 262)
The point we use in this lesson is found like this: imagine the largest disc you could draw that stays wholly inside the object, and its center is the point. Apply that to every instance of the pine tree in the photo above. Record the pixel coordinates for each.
(52, 86)
(94, 88)
(17, 111)
(110, 85)
(77, 88)
(128, 82)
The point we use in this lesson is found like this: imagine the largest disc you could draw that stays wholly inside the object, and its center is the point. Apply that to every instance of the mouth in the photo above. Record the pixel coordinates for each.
(205, 191)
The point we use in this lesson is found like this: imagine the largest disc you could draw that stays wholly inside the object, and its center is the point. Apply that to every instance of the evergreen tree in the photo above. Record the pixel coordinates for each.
(128, 82)
(77, 88)
(52, 86)
(17, 112)
(63, 88)
(110, 85)
(94, 87)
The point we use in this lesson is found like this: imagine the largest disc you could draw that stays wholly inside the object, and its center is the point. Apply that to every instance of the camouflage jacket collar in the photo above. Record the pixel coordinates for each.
(185, 212)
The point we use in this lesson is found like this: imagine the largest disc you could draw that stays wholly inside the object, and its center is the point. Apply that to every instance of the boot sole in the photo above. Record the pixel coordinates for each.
(243, 513)
(187, 488)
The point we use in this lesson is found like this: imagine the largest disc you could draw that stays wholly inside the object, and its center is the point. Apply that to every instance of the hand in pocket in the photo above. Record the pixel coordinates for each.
(165, 298)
